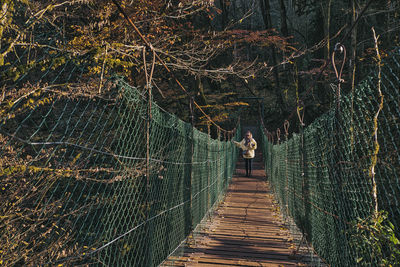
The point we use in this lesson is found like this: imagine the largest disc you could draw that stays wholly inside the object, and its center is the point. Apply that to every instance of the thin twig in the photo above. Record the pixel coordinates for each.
(376, 143)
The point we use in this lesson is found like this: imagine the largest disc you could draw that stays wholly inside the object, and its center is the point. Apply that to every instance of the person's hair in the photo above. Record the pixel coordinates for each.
(248, 132)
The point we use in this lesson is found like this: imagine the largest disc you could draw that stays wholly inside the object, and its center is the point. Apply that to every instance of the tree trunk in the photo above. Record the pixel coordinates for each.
(266, 13)
(284, 27)
(326, 11)
(352, 68)
(224, 14)
(388, 22)
(353, 46)
(264, 4)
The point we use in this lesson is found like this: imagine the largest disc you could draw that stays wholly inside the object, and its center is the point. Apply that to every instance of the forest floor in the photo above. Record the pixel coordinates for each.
(246, 229)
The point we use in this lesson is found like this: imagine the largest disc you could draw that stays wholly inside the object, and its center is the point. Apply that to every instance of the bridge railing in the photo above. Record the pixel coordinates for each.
(90, 180)
(324, 177)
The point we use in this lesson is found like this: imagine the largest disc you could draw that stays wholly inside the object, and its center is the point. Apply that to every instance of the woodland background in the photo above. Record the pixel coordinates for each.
(220, 50)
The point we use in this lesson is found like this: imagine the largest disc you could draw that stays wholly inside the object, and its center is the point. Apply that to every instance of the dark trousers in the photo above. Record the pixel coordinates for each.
(249, 165)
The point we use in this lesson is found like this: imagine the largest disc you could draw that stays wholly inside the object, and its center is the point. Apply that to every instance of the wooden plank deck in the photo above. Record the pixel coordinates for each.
(244, 231)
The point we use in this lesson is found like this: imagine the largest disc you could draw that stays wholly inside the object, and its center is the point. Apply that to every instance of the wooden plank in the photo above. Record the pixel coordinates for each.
(244, 234)
(220, 252)
(241, 262)
(244, 244)
(222, 262)
(226, 259)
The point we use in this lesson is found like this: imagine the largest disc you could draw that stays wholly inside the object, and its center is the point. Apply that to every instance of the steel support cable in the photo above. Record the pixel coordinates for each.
(92, 149)
(150, 46)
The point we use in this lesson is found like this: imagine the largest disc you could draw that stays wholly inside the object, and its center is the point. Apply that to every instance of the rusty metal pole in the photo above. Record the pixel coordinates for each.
(208, 166)
(150, 225)
(226, 137)
(191, 165)
(286, 128)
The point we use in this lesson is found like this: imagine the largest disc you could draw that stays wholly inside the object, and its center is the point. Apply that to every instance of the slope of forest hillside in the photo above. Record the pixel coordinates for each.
(221, 50)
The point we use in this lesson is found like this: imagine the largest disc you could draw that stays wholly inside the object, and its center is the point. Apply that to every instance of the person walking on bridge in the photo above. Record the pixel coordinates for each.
(248, 145)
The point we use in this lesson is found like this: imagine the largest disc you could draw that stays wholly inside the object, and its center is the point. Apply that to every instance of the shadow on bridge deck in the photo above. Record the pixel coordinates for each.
(245, 230)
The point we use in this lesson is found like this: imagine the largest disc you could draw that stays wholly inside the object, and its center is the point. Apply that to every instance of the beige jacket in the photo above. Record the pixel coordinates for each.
(249, 151)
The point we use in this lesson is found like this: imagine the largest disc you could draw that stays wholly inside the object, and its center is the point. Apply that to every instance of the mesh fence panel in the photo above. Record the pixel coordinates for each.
(74, 183)
(322, 177)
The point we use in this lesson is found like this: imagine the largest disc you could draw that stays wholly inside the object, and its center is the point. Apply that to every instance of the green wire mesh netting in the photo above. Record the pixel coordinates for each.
(322, 176)
(74, 186)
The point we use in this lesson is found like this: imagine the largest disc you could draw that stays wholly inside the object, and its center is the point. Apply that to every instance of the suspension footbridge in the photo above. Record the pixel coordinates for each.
(120, 182)
(245, 230)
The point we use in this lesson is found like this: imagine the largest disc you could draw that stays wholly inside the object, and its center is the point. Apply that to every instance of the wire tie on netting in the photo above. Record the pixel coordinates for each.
(149, 78)
(145, 66)
(342, 50)
(301, 107)
(286, 126)
(278, 135)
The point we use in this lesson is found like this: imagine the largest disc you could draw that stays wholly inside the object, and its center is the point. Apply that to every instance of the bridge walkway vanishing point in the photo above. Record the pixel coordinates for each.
(245, 230)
